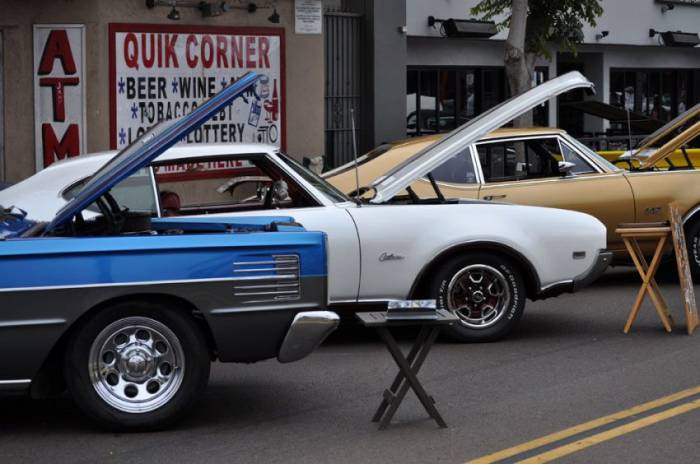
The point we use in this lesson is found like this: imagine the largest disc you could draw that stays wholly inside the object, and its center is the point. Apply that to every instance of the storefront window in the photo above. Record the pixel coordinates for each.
(447, 97)
(540, 115)
(466, 109)
(412, 102)
(661, 94)
(439, 100)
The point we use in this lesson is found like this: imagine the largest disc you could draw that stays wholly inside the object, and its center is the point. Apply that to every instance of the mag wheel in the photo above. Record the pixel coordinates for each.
(486, 292)
(137, 366)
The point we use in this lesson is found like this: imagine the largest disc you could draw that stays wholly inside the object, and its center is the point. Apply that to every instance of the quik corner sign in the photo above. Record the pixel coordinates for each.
(59, 92)
(162, 72)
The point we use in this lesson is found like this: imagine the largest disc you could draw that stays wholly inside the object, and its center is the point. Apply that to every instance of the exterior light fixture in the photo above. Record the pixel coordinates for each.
(464, 27)
(677, 38)
(174, 14)
(212, 9)
(601, 35)
(667, 7)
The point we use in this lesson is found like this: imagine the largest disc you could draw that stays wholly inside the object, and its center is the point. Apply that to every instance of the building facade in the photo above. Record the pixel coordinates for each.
(340, 76)
(79, 76)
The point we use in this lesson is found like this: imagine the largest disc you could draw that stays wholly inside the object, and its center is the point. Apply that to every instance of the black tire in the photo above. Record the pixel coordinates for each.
(178, 397)
(692, 239)
(468, 266)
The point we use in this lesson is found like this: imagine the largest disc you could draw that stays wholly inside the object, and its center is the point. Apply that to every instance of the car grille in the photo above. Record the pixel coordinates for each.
(271, 280)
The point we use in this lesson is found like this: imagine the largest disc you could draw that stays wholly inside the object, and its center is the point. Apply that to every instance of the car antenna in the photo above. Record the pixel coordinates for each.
(629, 131)
(354, 154)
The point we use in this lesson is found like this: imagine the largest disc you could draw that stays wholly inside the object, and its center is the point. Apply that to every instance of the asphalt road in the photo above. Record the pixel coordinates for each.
(568, 364)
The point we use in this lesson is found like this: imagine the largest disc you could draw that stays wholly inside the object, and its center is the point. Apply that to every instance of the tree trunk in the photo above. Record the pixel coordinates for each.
(518, 63)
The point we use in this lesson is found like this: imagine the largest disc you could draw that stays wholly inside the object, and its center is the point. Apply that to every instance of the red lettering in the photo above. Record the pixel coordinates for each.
(207, 52)
(57, 85)
(131, 51)
(57, 46)
(170, 55)
(221, 60)
(160, 50)
(249, 52)
(236, 52)
(55, 150)
(263, 52)
(191, 60)
(148, 60)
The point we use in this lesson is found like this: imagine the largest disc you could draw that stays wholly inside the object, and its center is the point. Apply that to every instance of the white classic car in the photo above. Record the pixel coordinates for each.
(478, 259)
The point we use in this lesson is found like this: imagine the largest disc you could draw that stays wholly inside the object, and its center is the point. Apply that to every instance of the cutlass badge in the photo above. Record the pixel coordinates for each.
(390, 257)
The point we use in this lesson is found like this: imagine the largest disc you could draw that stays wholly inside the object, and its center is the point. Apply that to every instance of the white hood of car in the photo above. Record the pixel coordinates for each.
(420, 164)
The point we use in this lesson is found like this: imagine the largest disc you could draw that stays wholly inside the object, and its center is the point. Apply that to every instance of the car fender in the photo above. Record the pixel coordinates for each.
(398, 241)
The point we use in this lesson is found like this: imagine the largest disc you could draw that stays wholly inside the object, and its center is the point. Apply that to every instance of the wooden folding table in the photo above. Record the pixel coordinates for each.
(630, 233)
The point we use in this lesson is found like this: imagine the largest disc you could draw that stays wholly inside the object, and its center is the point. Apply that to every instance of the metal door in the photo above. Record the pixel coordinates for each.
(3, 174)
(342, 32)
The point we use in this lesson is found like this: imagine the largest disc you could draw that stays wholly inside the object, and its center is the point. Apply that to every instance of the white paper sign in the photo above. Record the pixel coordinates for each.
(59, 92)
(161, 72)
(308, 16)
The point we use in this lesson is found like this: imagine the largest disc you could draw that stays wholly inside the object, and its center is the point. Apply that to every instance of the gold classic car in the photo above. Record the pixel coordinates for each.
(547, 167)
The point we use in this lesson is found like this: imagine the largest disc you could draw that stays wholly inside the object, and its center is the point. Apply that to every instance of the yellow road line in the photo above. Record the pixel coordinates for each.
(612, 433)
(554, 437)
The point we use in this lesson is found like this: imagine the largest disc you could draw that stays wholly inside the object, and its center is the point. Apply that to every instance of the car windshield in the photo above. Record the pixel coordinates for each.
(593, 155)
(324, 187)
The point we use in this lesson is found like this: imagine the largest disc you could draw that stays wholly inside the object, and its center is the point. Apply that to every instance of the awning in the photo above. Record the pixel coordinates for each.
(639, 122)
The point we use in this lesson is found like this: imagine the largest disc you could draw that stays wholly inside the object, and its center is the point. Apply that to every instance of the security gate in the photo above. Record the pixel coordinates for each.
(3, 174)
(343, 62)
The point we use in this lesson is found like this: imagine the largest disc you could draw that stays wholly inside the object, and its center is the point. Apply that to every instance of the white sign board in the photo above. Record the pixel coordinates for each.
(59, 92)
(161, 72)
(308, 16)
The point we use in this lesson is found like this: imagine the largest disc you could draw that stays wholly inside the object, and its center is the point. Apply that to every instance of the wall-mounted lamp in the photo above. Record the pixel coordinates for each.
(213, 9)
(601, 35)
(174, 14)
(667, 7)
(274, 18)
(464, 27)
(677, 38)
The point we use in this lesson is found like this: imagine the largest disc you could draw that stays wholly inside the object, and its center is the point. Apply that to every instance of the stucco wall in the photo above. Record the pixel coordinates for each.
(628, 21)
(304, 69)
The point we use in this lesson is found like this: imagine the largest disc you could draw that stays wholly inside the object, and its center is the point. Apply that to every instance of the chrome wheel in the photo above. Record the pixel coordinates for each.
(479, 295)
(136, 364)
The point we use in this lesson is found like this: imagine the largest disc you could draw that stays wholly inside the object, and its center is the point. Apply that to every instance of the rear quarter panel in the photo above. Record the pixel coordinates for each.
(47, 284)
(418, 233)
(654, 190)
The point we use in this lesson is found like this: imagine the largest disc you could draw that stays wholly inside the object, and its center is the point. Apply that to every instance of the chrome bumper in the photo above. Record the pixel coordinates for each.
(591, 275)
(307, 332)
(599, 266)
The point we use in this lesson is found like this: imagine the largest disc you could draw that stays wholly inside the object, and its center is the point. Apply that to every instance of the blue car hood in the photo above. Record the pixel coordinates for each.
(148, 147)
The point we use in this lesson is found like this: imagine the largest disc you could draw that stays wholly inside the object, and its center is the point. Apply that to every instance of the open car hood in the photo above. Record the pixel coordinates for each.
(420, 164)
(148, 147)
(648, 155)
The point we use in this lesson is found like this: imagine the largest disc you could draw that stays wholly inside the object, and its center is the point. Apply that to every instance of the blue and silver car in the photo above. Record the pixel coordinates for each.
(127, 311)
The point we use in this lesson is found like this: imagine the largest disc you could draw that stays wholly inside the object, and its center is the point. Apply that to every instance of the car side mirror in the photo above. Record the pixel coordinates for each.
(565, 168)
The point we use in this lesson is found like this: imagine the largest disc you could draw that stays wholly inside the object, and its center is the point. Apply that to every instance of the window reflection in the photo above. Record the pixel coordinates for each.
(439, 100)
(661, 94)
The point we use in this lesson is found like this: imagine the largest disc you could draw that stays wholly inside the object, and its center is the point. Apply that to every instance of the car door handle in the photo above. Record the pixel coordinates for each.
(494, 197)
